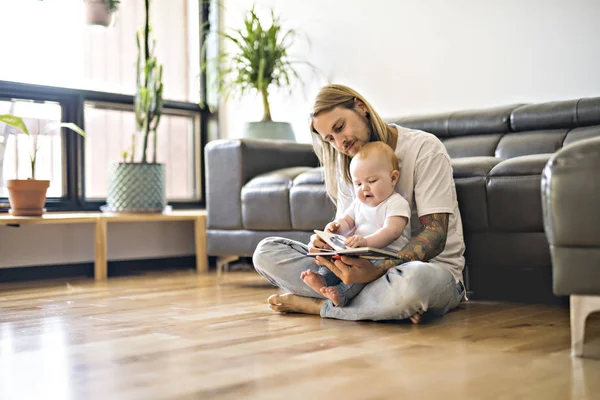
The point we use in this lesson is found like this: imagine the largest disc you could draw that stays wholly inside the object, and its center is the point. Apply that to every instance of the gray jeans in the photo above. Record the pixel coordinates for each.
(397, 295)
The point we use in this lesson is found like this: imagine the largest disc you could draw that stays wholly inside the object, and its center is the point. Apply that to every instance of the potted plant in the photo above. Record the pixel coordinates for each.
(139, 186)
(100, 12)
(28, 196)
(258, 62)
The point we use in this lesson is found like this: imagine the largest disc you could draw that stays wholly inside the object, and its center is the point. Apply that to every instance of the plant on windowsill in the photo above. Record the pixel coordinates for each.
(258, 62)
(28, 196)
(140, 186)
(100, 12)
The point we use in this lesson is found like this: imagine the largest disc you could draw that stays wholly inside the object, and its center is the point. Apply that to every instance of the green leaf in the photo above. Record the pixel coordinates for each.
(14, 121)
(74, 128)
(68, 125)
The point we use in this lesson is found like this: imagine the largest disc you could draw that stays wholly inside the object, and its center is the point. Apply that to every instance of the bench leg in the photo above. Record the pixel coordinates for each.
(200, 237)
(223, 263)
(100, 266)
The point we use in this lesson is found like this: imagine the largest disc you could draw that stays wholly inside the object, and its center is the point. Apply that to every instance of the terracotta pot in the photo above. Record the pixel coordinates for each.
(27, 197)
(96, 12)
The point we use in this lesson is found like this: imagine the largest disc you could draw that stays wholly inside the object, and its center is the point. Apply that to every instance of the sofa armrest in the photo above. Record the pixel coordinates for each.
(230, 163)
(571, 195)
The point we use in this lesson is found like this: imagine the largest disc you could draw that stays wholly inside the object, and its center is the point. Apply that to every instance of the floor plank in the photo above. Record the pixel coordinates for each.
(182, 335)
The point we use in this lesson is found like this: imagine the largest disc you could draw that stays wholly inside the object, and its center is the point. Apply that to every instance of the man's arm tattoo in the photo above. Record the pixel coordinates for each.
(430, 241)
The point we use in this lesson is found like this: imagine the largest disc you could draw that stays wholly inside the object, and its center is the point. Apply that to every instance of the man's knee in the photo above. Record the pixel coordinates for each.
(413, 273)
(261, 259)
(258, 257)
(415, 289)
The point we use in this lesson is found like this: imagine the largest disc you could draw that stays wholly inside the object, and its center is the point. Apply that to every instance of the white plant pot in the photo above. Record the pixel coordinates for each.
(134, 187)
(269, 130)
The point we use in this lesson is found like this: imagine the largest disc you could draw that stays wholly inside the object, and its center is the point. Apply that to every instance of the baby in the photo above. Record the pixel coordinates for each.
(377, 217)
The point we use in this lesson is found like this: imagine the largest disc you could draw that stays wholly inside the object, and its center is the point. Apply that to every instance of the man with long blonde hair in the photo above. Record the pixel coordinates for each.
(427, 277)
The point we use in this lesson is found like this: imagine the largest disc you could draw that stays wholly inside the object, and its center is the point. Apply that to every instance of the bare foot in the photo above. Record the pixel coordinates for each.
(314, 280)
(416, 319)
(332, 294)
(292, 303)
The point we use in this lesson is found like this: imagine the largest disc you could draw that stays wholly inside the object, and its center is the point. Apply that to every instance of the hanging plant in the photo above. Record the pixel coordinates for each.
(100, 12)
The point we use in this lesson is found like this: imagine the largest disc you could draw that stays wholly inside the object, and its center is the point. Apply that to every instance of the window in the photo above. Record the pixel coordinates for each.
(109, 130)
(57, 48)
(72, 72)
(16, 148)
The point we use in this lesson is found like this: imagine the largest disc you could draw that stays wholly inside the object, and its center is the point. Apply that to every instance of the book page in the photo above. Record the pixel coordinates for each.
(332, 239)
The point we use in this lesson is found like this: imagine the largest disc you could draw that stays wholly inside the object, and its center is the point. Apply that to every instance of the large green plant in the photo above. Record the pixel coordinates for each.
(258, 61)
(148, 101)
(17, 122)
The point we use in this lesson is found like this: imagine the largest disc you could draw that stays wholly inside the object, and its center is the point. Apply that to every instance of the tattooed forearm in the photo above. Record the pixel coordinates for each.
(430, 242)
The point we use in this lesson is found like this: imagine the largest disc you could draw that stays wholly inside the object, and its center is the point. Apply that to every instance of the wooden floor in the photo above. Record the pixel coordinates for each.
(187, 336)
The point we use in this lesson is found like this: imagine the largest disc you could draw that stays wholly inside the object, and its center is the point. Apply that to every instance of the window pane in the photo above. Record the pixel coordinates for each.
(79, 56)
(109, 132)
(16, 147)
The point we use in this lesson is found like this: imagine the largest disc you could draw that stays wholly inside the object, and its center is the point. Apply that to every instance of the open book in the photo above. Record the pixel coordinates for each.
(339, 248)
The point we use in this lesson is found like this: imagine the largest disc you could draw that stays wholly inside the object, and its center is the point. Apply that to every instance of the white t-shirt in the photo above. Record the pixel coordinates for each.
(368, 220)
(426, 183)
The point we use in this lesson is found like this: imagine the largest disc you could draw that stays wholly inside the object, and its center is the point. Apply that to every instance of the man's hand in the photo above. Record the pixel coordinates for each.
(356, 241)
(353, 269)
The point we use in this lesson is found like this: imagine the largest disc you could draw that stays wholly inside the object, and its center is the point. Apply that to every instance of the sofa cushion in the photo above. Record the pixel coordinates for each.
(266, 200)
(436, 124)
(588, 111)
(472, 146)
(521, 166)
(551, 115)
(481, 121)
(531, 142)
(514, 194)
(310, 207)
(473, 166)
(582, 133)
(470, 176)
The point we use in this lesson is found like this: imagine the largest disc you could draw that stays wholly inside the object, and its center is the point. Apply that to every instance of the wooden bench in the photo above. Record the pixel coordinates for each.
(100, 220)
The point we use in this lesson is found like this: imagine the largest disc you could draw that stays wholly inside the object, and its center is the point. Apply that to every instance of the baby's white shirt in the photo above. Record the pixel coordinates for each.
(367, 219)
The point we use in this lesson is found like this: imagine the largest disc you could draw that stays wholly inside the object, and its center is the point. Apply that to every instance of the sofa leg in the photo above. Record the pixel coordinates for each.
(223, 263)
(581, 307)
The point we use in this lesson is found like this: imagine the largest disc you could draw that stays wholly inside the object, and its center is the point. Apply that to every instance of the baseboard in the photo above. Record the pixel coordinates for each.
(115, 268)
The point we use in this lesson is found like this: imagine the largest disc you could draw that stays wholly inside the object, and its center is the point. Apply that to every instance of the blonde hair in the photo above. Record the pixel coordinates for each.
(328, 98)
(378, 149)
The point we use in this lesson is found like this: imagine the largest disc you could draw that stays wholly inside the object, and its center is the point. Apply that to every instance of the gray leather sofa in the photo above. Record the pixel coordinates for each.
(571, 208)
(257, 189)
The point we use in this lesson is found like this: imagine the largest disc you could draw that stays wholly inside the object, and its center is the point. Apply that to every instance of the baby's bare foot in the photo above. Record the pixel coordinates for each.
(314, 280)
(416, 319)
(332, 294)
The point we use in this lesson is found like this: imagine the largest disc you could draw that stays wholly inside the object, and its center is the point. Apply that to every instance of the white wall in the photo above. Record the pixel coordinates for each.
(405, 56)
(421, 56)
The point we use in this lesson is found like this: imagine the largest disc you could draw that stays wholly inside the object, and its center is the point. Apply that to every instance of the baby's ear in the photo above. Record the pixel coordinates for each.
(395, 175)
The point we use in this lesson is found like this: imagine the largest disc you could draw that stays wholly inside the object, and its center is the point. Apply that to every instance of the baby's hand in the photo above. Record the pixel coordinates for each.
(356, 241)
(332, 227)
